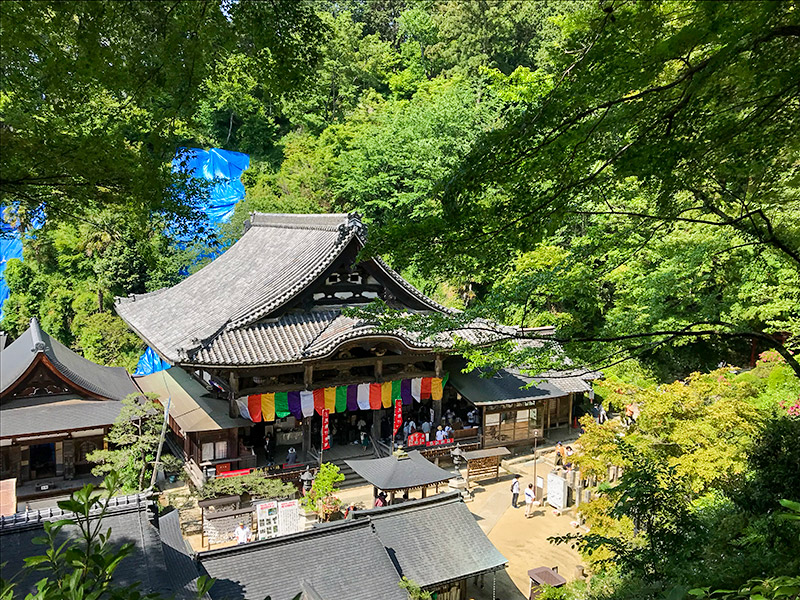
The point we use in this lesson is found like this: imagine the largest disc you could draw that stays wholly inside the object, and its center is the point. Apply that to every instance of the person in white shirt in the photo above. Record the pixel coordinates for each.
(439, 434)
(515, 491)
(243, 534)
(530, 496)
(448, 432)
(426, 429)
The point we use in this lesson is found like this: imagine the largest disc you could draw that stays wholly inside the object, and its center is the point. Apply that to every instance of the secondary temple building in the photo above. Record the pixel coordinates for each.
(261, 344)
(55, 408)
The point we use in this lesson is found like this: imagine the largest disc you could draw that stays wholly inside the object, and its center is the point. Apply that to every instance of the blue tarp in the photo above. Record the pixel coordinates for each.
(150, 362)
(224, 168)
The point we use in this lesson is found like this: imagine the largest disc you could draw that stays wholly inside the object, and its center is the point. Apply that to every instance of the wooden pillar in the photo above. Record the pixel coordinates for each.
(306, 436)
(571, 396)
(233, 380)
(391, 497)
(376, 423)
(424, 491)
(547, 411)
(308, 376)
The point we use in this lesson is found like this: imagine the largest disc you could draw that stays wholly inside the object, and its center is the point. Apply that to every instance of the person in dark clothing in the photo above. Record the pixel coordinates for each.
(515, 491)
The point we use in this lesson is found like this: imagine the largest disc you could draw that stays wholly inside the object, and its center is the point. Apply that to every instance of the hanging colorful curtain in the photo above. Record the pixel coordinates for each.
(386, 394)
(307, 403)
(364, 396)
(282, 405)
(352, 397)
(254, 407)
(319, 400)
(268, 407)
(425, 388)
(294, 405)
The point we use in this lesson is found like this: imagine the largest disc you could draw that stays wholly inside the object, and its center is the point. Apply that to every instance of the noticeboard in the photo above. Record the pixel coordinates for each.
(288, 517)
(556, 491)
(267, 516)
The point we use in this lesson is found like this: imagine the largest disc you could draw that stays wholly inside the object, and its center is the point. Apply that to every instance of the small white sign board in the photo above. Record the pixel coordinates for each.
(288, 517)
(267, 516)
(556, 491)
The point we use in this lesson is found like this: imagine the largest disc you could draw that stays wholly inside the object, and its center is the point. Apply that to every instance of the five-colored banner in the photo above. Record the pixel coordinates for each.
(362, 396)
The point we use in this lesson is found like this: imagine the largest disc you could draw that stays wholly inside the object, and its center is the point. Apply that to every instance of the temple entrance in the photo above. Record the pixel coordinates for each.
(43, 461)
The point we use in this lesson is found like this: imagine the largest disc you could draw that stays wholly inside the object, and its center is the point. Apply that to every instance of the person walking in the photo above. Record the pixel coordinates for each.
(530, 496)
(515, 491)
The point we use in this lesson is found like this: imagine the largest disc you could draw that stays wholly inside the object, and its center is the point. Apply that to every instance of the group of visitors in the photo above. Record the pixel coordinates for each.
(564, 456)
(530, 496)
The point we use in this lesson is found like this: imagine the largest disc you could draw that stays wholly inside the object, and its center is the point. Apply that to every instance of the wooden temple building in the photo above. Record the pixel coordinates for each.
(262, 335)
(55, 408)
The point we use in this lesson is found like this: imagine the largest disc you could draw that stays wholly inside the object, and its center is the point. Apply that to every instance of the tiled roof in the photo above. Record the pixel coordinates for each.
(55, 413)
(300, 336)
(178, 560)
(344, 561)
(507, 386)
(434, 540)
(394, 473)
(113, 383)
(128, 517)
(277, 258)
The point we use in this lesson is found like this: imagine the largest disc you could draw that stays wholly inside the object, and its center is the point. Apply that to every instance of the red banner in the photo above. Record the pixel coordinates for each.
(417, 439)
(326, 436)
(440, 442)
(398, 416)
(234, 473)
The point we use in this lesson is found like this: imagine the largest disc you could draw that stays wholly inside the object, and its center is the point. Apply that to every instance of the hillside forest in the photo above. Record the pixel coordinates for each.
(625, 171)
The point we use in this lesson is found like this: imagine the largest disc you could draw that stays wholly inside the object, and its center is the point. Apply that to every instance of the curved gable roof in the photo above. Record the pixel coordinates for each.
(112, 383)
(276, 259)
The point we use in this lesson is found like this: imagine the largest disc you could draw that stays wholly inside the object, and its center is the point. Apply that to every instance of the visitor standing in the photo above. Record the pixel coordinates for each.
(530, 496)
(242, 533)
(515, 491)
(291, 457)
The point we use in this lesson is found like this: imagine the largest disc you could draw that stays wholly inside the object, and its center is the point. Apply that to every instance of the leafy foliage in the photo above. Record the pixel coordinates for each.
(83, 566)
(322, 495)
(255, 483)
(133, 441)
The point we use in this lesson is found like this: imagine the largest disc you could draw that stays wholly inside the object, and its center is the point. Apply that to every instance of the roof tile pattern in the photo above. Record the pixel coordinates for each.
(128, 517)
(435, 540)
(211, 316)
(112, 383)
(345, 561)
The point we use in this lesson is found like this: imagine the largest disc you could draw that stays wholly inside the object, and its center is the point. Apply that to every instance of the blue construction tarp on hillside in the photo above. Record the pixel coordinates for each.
(10, 247)
(224, 168)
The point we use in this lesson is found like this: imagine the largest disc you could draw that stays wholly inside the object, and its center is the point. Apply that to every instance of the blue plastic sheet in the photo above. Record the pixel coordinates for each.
(10, 247)
(150, 362)
(224, 168)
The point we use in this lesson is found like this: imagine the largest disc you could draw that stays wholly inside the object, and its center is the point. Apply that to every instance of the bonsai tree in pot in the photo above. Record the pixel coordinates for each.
(321, 498)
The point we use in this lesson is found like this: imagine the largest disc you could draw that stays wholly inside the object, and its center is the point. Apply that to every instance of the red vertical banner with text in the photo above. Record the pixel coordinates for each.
(326, 436)
(398, 416)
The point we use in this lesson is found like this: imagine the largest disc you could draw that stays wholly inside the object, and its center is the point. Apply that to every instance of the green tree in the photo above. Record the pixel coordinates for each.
(322, 495)
(97, 96)
(644, 120)
(133, 442)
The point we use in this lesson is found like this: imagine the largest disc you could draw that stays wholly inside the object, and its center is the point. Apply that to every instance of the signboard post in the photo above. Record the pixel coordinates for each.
(267, 518)
(288, 517)
(556, 491)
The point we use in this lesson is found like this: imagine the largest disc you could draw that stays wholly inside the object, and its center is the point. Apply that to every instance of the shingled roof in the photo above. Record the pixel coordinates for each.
(434, 541)
(130, 518)
(399, 472)
(109, 383)
(212, 317)
(315, 563)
